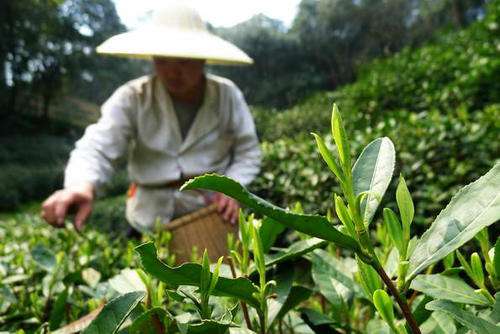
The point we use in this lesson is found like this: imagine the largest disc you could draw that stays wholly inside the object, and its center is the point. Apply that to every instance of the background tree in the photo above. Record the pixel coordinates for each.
(47, 48)
(330, 39)
(279, 61)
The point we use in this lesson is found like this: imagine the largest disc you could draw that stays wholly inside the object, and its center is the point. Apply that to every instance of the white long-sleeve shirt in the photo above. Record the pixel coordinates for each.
(139, 119)
(140, 113)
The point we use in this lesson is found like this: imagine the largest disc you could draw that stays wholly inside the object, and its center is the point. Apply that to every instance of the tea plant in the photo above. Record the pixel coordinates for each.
(363, 185)
(356, 267)
(52, 277)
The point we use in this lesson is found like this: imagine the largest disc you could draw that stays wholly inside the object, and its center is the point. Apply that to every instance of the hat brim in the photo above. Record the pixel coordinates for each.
(150, 42)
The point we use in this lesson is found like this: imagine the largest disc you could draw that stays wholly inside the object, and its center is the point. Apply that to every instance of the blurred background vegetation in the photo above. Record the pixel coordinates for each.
(423, 72)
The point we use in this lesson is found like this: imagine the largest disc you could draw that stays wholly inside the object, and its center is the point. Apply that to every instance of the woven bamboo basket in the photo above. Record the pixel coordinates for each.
(204, 229)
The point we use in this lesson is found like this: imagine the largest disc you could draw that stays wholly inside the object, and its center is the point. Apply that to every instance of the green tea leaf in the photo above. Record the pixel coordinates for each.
(372, 174)
(392, 263)
(144, 324)
(449, 260)
(44, 258)
(215, 275)
(297, 295)
(439, 323)
(269, 231)
(343, 214)
(205, 273)
(378, 326)
(329, 158)
(114, 313)
(316, 318)
(281, 291)
(465, 265)
(244, 230)
(450, 288)
(466, 318)
(477, 269)
(420, 313)
(58, 311)
(368, 278)
(395, 230)
(405, 205)
(190, 273)
(287, 296)
(128, 280)
(258, 254)
(483, 238)
(494, 316)
(313, 225)
(295, 250)
(333, 279)
(383, 304)
(205, 327)
(496, 259)
(473, 208)
(340, 138)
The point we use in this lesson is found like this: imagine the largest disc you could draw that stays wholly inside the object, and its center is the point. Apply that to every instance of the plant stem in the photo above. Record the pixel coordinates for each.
(262, 320)
(412, 323)
(366, 246)
(484, 291)
(159, 327)
(323, 303)
(243, 305)
(412, 298)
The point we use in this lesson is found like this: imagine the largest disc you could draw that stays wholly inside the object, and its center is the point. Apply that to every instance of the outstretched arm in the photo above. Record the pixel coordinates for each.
(91, 163)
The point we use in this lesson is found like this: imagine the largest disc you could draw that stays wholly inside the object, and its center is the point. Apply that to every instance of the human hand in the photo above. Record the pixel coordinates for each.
(228, 208)
(55, 208)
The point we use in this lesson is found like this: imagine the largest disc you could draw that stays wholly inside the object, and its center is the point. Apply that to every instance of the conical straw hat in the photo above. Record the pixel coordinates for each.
(176, 31)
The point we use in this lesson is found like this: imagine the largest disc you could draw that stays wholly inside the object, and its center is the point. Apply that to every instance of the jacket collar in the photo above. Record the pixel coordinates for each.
(206, 119)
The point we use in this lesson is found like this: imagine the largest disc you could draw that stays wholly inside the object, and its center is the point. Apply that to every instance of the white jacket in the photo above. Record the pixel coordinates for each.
(139, 119)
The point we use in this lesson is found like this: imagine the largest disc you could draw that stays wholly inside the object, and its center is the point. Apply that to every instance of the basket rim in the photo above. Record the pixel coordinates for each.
(189, 218)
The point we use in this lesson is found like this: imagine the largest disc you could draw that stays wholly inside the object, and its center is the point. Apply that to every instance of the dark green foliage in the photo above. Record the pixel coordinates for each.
(47, 48)
(458, 71)
(56, 293)
(271, 80)
(189, 274)
(329, 40)
(437, 153)
(444, 139)
(115, 313)
(313, 225)
(33, 155)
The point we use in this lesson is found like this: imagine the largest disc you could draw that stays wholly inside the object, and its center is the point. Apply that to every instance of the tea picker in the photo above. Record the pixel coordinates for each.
(174, 124)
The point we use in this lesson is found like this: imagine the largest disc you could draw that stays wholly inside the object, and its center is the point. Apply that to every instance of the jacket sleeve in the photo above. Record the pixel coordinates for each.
(94, 157)
(246, 154)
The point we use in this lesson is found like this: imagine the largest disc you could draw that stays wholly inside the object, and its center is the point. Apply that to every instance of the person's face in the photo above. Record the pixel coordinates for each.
(180, 76)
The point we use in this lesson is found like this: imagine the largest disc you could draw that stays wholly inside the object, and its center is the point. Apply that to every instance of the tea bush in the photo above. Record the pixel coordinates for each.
(58, 275)
(459, 70)
(394, 262)
(439, 103)
(362, 274)
(438, 153)
(50, 278)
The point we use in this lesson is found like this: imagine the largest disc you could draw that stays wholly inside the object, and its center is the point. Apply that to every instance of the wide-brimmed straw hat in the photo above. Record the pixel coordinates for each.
(175, 31)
